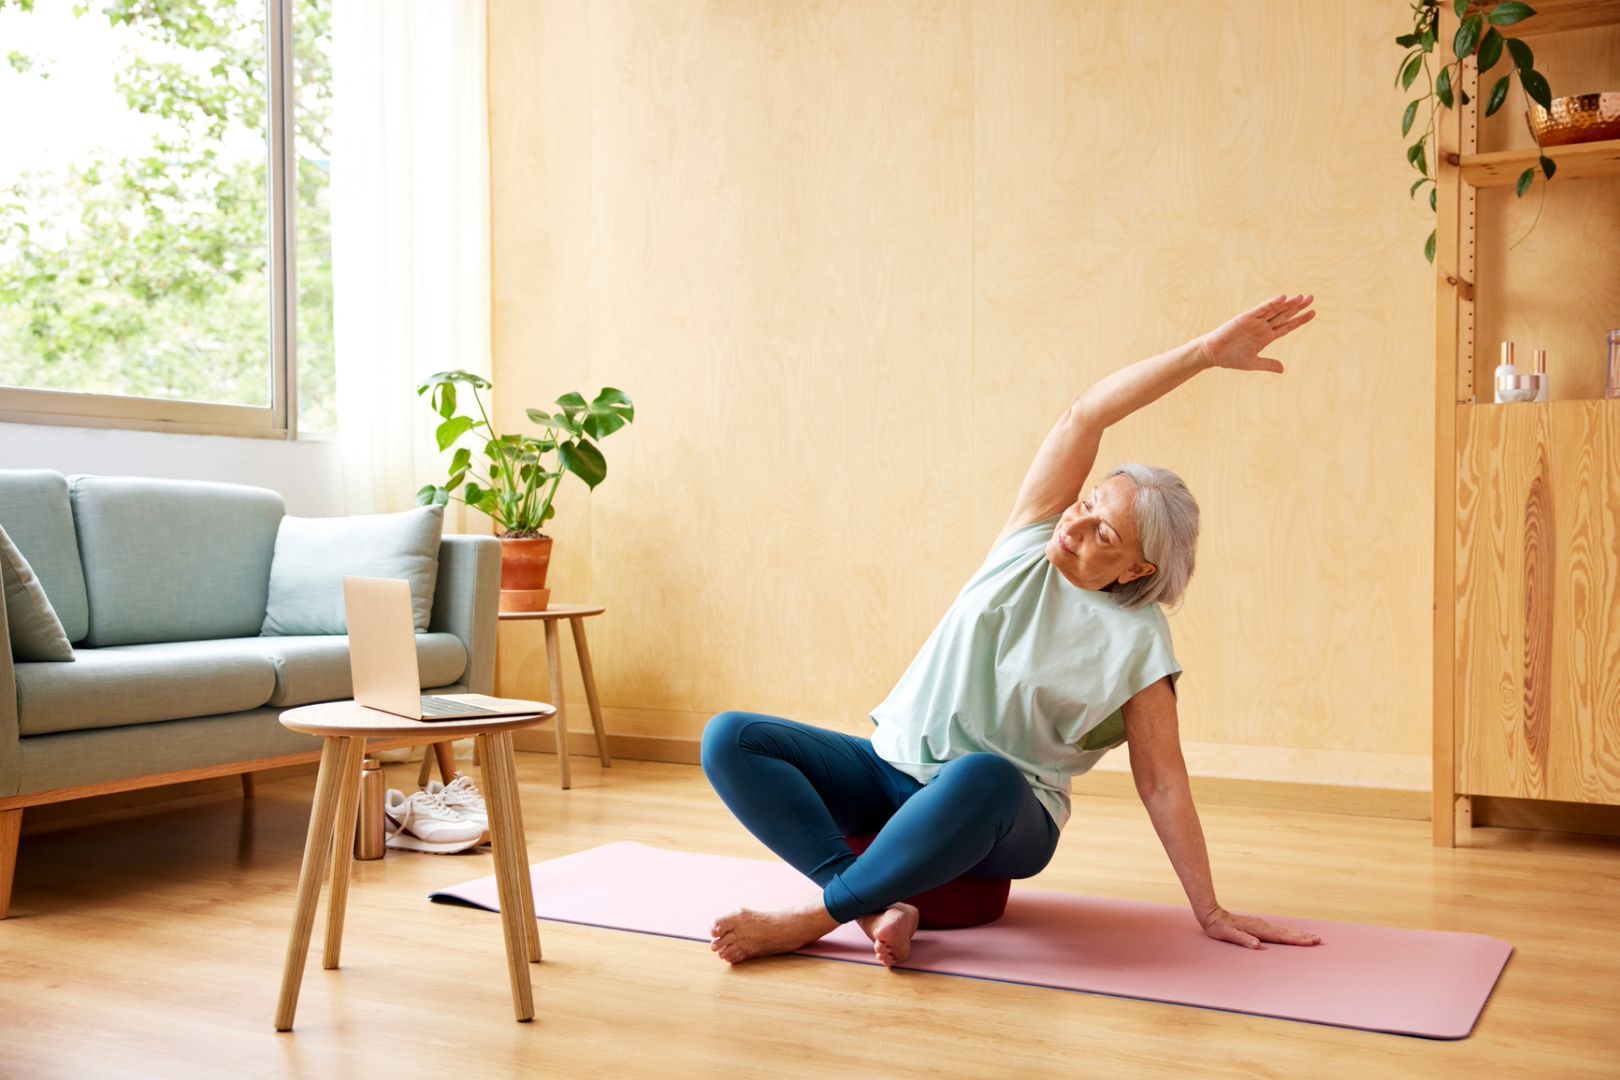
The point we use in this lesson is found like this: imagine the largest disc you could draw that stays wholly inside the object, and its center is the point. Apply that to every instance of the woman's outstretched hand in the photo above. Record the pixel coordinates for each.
(1250, 930)
(1237, 343)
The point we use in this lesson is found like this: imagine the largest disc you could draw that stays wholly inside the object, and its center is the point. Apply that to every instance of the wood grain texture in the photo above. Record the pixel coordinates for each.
(93, 986)
(1538, 600)
(852, 259)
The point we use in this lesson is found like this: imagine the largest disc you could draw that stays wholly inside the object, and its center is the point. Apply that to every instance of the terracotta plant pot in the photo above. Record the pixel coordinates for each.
(524, 562)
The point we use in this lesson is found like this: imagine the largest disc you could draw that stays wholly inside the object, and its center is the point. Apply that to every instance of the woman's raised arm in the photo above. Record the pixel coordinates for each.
(1069, 451)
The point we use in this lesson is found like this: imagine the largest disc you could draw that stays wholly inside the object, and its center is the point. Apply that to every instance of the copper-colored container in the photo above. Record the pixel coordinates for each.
(524, 563)
(1576, 119)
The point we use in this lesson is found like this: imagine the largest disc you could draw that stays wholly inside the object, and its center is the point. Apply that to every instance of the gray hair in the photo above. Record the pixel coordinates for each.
(1167, 529)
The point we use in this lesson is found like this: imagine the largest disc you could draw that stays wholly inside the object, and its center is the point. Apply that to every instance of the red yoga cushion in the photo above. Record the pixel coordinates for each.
(954, 905)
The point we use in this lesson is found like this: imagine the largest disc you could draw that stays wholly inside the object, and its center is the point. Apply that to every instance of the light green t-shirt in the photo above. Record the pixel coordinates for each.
(1028, 665)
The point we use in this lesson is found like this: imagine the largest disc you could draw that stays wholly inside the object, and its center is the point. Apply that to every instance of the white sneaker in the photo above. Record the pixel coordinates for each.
(464, 795)
(423, 822)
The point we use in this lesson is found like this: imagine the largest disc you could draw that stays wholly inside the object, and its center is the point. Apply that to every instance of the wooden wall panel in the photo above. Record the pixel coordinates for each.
(1145, 171)
(1538, 600)
(851, 260)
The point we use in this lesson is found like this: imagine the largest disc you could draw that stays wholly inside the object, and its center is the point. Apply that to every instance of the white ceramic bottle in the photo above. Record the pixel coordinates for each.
(1507, 381)
(1540, 356)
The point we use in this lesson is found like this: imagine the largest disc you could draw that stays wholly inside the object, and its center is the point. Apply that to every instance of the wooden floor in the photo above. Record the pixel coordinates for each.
(152, 944)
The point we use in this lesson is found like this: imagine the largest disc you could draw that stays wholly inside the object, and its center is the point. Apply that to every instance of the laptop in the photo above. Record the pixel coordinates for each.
(382, 659)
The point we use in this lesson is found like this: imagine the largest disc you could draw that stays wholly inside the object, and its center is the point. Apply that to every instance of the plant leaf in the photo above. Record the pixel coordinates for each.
(1548, 166)
(457, 376)
(1460, 6)
(1407, 41)
(1413, 66)
(1442, 87)
(1498, 95)
(1525, 179)
(453, 429)
(1467, 37)
(1427, 39)
(1417, 157)
(460, 461)
(1509, 12)
(1433, 204)
(1411, 115)
(1490, 50)
(1463, 95)
(426, 494)
(1419, 182)
(584, 460)
(609, 411)
(1535, 84)
(1524, 58)
(447, 400)
(572, 403)
(1428, 248)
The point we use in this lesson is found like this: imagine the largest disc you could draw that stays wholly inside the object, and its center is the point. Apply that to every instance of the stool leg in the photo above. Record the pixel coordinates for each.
(554, 662)
(343, 849)
(425, 773)
(589, 676)
(247, 785)
(446, 753)
(501, 838)
(520, 848)
(317, 848)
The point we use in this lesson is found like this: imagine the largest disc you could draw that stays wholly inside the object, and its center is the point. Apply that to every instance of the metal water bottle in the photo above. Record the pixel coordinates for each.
(368, 831)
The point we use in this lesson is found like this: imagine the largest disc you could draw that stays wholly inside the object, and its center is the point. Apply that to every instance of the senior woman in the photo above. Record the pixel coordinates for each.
(1055, 652)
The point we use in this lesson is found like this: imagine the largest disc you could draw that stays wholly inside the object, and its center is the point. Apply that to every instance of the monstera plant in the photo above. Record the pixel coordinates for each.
(514, 477)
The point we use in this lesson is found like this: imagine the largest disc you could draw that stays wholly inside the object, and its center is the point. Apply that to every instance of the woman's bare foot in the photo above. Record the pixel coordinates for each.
(744, 934)
(891, 933)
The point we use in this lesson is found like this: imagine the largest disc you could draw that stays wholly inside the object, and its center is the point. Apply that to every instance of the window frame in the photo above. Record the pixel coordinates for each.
(279, 419)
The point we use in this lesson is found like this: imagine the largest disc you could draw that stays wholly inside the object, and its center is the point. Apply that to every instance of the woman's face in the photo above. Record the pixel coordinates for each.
(1095, 543)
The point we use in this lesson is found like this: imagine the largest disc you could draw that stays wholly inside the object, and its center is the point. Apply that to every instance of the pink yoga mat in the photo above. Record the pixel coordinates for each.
(1407, 982)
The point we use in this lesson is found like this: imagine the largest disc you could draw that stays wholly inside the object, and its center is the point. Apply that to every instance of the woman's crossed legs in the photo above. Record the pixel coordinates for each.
(800, 790)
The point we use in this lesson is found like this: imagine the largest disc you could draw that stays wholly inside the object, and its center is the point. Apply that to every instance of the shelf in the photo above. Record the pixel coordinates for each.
(1575, 162)
(1557, 16)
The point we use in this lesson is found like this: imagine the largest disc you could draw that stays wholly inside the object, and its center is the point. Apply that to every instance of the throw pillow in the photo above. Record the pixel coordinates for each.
(313, 555)
(36, 632)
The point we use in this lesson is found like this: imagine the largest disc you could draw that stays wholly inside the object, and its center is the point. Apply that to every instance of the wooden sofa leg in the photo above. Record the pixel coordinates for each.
(247, 785)
(10, 832)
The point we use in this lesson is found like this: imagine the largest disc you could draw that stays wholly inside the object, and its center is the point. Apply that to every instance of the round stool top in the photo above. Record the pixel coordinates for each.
(557, 611)
(347, 718)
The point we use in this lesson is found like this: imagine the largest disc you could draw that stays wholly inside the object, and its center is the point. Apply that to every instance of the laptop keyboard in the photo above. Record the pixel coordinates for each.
(434, 706)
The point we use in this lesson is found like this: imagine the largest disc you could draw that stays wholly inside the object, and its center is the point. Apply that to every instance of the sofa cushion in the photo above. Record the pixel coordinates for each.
(314, 554)
(142, 684)
(36, 632)
(316, 667)
(173, 560)
(35, 511)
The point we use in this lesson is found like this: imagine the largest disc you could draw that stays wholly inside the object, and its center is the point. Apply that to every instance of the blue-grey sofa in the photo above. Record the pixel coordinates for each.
(161, 586)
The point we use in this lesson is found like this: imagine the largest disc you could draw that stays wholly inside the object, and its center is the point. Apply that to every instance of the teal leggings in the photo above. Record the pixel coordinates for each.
(802, 789)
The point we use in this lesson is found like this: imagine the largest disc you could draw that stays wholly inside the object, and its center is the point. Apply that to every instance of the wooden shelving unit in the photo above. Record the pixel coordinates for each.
(1527, 535)
(1581, 161)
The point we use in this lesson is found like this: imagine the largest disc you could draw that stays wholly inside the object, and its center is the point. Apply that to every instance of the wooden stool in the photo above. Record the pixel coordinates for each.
(576, 615)
(345, 726)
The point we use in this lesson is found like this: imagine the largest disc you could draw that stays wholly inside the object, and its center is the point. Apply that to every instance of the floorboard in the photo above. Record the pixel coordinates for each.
(150, 945)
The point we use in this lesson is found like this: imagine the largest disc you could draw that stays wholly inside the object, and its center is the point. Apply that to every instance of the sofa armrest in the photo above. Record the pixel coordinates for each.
(10, 772)
(466, 600)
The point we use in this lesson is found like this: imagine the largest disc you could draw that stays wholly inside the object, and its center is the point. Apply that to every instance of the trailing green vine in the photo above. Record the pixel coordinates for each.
(1478, 35)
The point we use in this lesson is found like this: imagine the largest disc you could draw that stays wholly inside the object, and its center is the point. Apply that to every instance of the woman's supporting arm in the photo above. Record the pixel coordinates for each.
(1069, 451)
(1161, 781)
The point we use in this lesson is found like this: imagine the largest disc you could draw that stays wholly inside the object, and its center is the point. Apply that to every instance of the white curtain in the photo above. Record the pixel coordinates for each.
(410, 236)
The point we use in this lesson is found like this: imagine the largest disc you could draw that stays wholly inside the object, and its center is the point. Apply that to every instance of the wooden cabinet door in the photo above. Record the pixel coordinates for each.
(1538, 600)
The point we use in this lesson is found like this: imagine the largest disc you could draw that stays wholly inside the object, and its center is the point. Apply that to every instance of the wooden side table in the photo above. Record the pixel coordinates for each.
(345, 726)
(576, 614)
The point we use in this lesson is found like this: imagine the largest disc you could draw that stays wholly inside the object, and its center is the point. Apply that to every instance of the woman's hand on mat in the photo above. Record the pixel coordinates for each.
(1237, 343)
(1250, 930)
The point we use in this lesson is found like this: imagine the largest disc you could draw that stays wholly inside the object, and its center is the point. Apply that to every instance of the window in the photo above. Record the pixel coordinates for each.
(165, 240)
